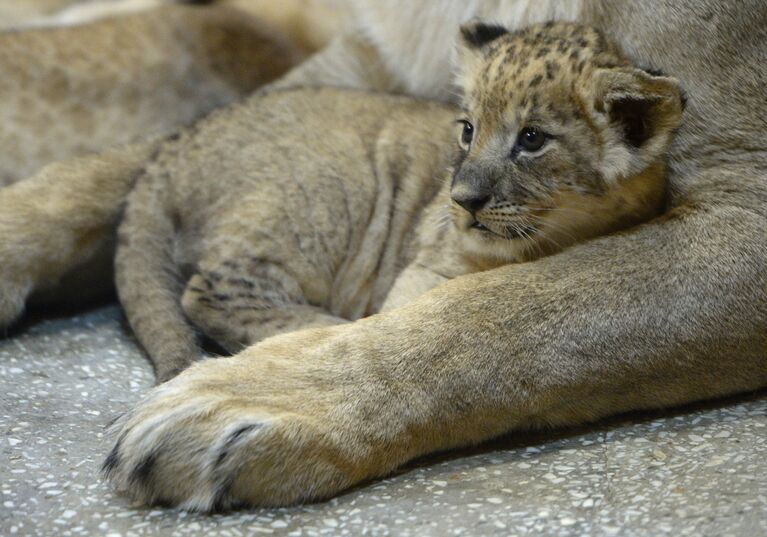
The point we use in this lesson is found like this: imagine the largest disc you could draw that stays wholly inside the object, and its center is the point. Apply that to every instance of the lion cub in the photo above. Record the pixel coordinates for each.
(309, 207)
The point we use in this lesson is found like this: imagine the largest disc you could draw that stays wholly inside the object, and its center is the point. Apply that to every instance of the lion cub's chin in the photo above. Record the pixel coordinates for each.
(488, 248)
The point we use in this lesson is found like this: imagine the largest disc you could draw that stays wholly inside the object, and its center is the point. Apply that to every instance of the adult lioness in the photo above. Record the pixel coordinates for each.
(670, 312)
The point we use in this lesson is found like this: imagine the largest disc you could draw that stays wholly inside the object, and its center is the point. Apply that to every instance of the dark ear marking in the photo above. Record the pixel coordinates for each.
(634, 115)
(640, 105)
(479, 34)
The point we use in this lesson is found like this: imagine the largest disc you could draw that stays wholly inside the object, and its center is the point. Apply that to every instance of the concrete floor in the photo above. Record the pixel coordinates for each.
(698, 471)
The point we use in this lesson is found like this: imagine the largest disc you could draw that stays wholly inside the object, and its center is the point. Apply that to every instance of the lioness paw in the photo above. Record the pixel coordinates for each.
(210, 445)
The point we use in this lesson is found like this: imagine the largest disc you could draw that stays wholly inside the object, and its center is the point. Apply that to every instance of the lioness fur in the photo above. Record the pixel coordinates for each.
(71, 93)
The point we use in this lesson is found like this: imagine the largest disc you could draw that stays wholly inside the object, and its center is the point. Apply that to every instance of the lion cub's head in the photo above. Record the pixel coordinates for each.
(562, 139)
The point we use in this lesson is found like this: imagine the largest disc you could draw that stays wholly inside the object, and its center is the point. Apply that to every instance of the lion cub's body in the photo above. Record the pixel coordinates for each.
(301, 208)
(294, 209)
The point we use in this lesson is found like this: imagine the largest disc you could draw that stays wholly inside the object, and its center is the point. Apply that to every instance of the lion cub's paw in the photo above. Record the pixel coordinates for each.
(210, 445)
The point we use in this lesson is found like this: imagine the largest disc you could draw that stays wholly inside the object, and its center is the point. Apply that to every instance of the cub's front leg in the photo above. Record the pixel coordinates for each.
(439, 258)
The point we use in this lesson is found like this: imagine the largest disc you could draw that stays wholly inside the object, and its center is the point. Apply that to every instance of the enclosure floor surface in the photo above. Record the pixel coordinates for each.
(699, 471)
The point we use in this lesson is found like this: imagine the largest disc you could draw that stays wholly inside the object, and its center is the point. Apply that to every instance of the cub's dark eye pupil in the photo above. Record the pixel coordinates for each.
(531, 139)
(468, 132)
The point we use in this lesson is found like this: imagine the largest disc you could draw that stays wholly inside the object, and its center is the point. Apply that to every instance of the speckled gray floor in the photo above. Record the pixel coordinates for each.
(698, 472)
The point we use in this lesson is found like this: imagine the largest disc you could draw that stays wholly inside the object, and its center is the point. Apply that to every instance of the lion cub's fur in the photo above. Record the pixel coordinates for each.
(293, 209)
(301, 207)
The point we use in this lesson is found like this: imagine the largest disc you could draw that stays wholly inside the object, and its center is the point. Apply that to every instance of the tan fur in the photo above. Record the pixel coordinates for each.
(311, 213)
(663, 314)
(308, 24)
(80, 90)
(57, 13)
(290, 210)
(20, 12)
(311, 24)
(46, 231)
(586, 180)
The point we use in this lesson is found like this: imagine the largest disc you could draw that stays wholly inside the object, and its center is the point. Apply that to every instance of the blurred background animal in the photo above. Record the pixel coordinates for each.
(84, 77)
(120, 75)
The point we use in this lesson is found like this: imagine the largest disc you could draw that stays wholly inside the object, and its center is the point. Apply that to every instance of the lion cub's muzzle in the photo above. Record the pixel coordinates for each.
(483, 213)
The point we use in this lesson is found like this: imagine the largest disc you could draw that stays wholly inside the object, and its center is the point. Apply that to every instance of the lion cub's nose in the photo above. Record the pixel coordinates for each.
(470, 199)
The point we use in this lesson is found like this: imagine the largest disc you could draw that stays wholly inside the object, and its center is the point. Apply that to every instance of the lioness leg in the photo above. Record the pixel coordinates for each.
(625, 322)
(241, 302)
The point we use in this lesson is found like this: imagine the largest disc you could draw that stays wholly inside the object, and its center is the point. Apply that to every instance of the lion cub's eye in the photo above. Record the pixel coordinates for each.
(531, 139)
(467, 134)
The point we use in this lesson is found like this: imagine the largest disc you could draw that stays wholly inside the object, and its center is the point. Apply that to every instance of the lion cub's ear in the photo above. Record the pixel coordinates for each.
(473, 42)
(640, 113)
(476, 34)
